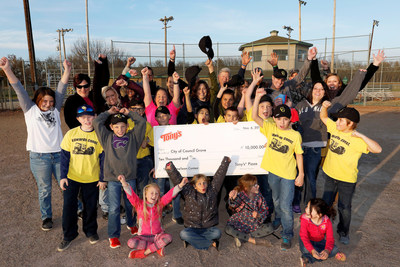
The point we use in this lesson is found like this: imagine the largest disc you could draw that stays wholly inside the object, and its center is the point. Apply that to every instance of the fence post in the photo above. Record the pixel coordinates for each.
(10, 97)
(352, 66)
(112, 59)
(183, 55)
(217, 58)
(149, 54)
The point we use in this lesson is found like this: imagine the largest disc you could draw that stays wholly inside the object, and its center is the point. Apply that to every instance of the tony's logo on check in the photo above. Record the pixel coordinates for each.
(169, 136)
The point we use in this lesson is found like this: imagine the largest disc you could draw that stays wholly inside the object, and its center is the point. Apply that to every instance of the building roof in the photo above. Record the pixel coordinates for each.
(274, 40)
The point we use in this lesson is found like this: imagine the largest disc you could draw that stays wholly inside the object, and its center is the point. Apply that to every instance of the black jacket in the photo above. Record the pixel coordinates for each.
(200, 210)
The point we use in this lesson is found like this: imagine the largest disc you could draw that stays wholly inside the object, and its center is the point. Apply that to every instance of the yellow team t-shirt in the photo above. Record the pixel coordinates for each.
(279, 154)
(143, 152)
(248, 114)
(84, 149)
(343, 154)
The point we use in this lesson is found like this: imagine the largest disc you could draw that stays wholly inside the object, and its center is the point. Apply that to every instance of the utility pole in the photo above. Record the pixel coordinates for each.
(59, 49)
(87, 39)
(165, 21)
(333, 38)
(62, 35)
(375, 23)
(31, 47)
(289, 29)
(300, 3)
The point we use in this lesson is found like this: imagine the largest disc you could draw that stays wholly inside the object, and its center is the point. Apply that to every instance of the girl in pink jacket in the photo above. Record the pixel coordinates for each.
(151, 236)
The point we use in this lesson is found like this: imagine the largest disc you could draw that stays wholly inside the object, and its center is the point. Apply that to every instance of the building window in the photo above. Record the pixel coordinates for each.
(302, 55)
(281, 53)
(257, 55)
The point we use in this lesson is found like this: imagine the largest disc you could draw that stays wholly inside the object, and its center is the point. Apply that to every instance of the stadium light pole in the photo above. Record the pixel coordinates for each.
(300, 3)
(375, 23)
(165, 21)
(333, 38)
(289, 32)
(87, 38)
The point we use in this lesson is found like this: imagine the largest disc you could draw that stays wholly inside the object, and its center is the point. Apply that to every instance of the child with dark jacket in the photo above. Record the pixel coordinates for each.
(201, 211)
(120, 148)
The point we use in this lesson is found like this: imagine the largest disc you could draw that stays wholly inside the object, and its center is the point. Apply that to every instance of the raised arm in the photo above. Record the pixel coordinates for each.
(256, 78)
(62, 85)
(177, 92)
(146, 87)
(213, 78)
(259, 93)
(323, 115)
(220, 174)
(24, 101)
(241, 104)
(246, 58)
(129, 62)
(373, 67)
(100, 79)
(171, 63)
(173, 173)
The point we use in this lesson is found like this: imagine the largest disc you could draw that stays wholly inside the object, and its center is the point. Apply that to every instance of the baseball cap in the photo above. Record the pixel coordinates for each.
(84, 110)
(348, 113)
(282, 111)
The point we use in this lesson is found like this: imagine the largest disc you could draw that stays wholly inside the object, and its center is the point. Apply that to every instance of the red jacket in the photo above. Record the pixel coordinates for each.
(312, 232)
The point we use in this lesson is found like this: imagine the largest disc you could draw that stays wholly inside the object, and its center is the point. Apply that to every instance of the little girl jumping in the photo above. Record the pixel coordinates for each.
(251, 210)
(316, 234)
(151, 236)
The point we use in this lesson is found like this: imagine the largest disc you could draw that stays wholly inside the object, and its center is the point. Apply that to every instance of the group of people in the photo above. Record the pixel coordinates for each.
(107, 154)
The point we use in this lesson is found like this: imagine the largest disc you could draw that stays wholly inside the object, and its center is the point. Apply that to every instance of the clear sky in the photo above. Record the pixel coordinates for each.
(225, 21)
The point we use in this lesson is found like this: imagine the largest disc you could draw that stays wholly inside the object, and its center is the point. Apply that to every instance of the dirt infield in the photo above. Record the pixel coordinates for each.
(374, 230)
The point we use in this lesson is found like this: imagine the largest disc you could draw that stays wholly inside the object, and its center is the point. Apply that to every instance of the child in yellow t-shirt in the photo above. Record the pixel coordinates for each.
(279, 161)
(340, 166)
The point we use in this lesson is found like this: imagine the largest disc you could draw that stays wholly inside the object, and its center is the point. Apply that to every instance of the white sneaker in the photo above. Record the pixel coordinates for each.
(123, 220)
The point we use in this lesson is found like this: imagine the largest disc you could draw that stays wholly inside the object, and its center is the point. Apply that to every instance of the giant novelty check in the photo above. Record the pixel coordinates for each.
(198, 148)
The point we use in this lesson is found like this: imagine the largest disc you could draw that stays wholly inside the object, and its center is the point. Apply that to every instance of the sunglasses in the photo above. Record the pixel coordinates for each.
(84, 109)
(83, 86)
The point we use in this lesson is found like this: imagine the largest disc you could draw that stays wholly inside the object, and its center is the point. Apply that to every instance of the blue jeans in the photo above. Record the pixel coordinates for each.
(266, 192)
(319, 246)
(200, 238)
(312, 159)
(282, 194)
(103, 199)
(144, 166)
(43, 166)
(114, 189)
(70, 207)
(346, 192)
(176, 203)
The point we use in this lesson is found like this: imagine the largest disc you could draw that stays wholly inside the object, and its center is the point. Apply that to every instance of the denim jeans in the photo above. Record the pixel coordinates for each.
(282, 194)
(103, 199)
(176, 203)
(312, 159)
(266, 192)
(200, 238)
(70, 207)
(319, 246)
(144, 166)
(114, 198)
(43, 166)
(346, 192)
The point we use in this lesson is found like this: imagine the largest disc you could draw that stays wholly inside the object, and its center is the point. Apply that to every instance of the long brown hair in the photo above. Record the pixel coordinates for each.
(196, 88)
(42, 92)
(157, 204)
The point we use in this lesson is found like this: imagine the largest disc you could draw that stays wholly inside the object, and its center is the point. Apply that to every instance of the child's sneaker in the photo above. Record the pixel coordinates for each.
(137, 254)
(123, 220)
(286, 244)
(47, 224)
(303, 261)
(94, 239)
(340, 256)
(114, 242)
(344, 239)
(161, 252)
(133, 230)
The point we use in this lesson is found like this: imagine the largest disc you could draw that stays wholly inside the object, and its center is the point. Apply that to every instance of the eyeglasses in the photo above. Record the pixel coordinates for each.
(137, 109)
(83, 86)
(85, 109)
(255, 185)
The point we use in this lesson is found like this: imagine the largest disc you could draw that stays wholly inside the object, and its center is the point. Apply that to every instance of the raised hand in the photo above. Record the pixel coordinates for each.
(260, 92)
(379, 58)
(183, 182)
(130, 61)
(133, 72)
(145, 73)
(324, 64)
(113, 110)
(245, 58)
(4, 63)
(67, 65)
(186, 91)
(175, 76)
(312, 53)
(326, 104)
(124, 111)
(273, 60)
(172, 54)
(121, 83)
(257, 75)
